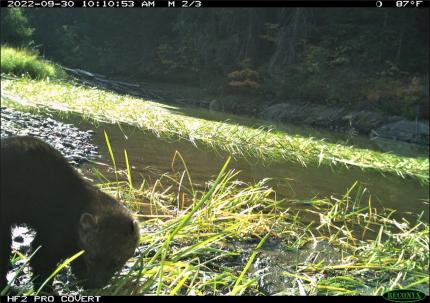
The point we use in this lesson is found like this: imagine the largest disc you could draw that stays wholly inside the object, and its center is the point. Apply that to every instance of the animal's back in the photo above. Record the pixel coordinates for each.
(36, 178)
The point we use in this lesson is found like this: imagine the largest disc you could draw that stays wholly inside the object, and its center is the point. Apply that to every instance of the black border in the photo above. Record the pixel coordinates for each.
(192, 299)
(237, 3)
(225, 299)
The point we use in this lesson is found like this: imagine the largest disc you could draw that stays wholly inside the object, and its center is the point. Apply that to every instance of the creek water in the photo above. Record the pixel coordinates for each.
(147, 153)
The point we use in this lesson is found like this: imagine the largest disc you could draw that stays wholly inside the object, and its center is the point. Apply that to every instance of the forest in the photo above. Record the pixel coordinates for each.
(363, 58)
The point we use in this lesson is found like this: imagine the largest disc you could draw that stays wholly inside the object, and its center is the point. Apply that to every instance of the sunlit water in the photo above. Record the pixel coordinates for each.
(290, 181)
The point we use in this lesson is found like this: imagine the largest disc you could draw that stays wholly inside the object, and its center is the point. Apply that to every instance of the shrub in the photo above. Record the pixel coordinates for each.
(26, 63)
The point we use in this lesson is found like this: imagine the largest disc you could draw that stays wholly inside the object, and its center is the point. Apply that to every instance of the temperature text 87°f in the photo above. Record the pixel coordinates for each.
(410, 3)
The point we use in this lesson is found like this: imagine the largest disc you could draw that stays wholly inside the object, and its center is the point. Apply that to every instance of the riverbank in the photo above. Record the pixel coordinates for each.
(241, 137)
(74, 144)
(233, 238)
(352, 121)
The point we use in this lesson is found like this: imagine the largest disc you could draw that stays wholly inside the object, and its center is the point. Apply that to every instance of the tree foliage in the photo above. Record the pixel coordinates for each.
(329, 55)
(15, 29)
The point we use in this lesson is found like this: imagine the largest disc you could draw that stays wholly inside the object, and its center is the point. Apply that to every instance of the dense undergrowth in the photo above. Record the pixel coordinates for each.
(24, 62)
(368, 250)
(209, 242)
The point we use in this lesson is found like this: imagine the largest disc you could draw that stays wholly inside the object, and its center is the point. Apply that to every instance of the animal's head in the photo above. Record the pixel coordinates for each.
(109, 240)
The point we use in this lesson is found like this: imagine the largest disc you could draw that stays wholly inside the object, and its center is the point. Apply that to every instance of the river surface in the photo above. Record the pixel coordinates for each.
(147, 153)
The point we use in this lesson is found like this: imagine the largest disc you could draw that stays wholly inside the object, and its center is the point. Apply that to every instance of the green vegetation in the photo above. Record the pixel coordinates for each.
(194, 246)
(23, 62)
(15, 29)
(352, 57)
(206, 242)
(255, 143)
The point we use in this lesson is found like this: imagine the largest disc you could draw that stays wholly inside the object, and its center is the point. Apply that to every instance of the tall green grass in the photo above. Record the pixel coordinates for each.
(26, 63)
(259, 143)
(189, 249)
(205, 242)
